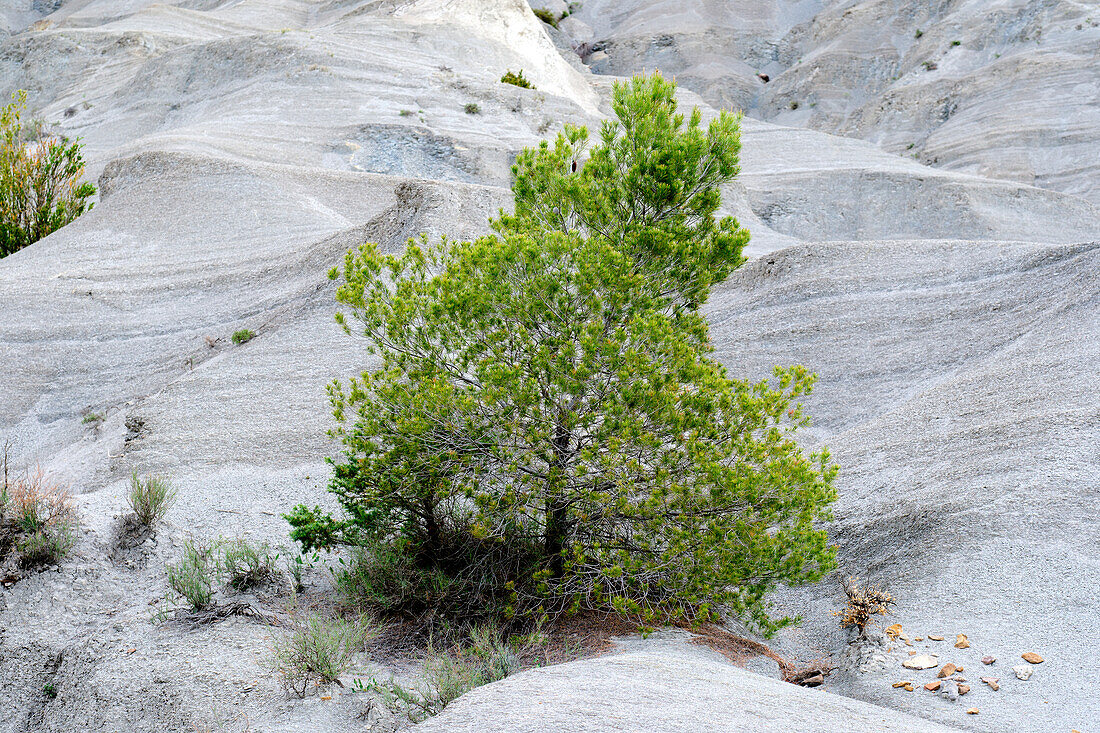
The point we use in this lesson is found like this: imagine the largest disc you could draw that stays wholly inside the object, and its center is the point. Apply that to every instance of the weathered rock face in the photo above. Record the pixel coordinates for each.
(1000, 88)
(242, 147)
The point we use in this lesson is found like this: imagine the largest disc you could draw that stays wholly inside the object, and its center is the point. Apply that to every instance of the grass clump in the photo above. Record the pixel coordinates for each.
(150, 498)
(518, 80)
(244, 566)
(473, 109)
(318, 650)
(40, 188)
(243, 336)
(91, 417)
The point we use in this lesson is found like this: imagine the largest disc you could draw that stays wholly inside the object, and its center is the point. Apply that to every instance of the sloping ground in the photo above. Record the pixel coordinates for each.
(1001, 88)
(672, 690)
(244, 146)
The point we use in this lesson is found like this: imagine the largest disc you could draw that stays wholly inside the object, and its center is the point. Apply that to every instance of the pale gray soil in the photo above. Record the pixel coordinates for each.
(242, 146)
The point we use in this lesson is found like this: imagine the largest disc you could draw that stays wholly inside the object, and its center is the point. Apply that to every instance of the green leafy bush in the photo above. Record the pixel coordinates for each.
(40, 188)
(518, 80)
(193, 577)
(547, 431)
(244, 566)
(472, 108)
(243, 336)
(150, 498)
(546, 16)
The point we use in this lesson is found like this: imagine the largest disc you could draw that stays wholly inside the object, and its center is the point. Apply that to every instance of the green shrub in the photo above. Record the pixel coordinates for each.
(46, 546)
(150, 498)
(243, 336)
(37, 519)
(547, 430)
(244, 566)
(193, 577)
(318, 650)
(473, 109)
(547, 17)
(516, 79)
(484, 656)
(91, 417)
(40, 188)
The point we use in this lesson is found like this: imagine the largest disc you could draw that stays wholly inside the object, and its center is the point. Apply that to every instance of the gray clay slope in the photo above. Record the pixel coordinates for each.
(244, 146)
(1000, 88)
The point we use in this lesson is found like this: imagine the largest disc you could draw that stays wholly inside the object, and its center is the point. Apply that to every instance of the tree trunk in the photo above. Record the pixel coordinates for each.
(557, 515)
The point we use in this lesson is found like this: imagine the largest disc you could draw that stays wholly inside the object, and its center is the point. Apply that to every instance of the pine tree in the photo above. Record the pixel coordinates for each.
(547, 423)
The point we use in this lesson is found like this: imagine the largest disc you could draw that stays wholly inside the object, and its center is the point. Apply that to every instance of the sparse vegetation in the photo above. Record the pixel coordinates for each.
(472, 108)
(244, 566)
(793, 105)
(956, 43)
(317, 650)
(929, 65)
(864, 602)
(918, 34)
(546, 432)
(518, 80)
(485, 655)
(547, 17)
(193, 577)
(406, 113)
(243, 336)
(90, 418)
(37, 520)
(150, 498)
(40, 180)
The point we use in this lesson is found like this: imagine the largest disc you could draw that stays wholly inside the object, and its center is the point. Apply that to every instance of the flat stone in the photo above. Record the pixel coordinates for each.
(924, 661)
(972, 711)
(950, 690)
(992, 682)
(935, 637)
(961, 642)
(1022, 671)
(1032, 657)
(946, 670)
(988, 660)
(963, 689)
(903, 683)
(932, 686)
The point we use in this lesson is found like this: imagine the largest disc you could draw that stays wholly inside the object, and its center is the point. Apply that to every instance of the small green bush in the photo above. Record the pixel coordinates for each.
(547, 17)
(318, 650)
(244, 566)
(473, 109)
(956, 43)
(40, 188)
(37, 519)
(484, 656)
(243, 336)
(46, 546)
(918, 34)
(91, 417)
(150, 498)
(518, 80)
(193, 577)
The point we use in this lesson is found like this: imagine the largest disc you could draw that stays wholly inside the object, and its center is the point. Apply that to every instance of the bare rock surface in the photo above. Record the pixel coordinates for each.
(243, 146)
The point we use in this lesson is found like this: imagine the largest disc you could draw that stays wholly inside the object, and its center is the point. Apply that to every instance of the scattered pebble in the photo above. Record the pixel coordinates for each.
(988, 660)
(893, 631)
(950, 690)
(1032, 657)
(924, 661)
(919, 638)
(912, 653)
(958, 669)
(903, 683)
(963, 689)
(992, 682)
(972, 711)
(946, 670)
(1022, 671)
(932, 686)
(961, 642)
(908, 687)
(958, 678)
(935, 637)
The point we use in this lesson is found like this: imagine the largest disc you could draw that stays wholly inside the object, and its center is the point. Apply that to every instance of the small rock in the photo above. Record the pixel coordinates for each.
(763, 77)
(919, 638)
(903, 683)
(961, 642)
(958, 669)
(932, 686)
(924, 661)
(816, 681)
(946, 670)
(912, 653)
(908, 687)
(992, 682)
(950, 690)
(958, 678)
(988, 660)
(963, 689)
(972, 711)
(935, 637)
(893, 631)
(1032, 657)
(1022, 671)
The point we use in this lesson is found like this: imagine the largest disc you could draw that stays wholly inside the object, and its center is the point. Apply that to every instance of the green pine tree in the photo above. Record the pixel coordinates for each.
(547, 423)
